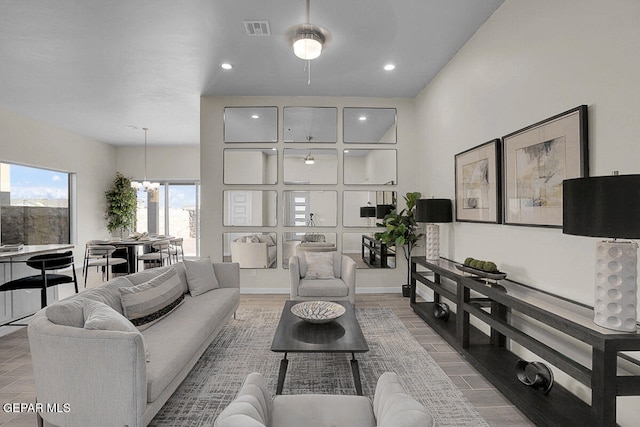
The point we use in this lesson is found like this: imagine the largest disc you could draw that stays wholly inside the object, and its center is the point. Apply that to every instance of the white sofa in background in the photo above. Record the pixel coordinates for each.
(391, 407)
(104, 375)
(254, 251)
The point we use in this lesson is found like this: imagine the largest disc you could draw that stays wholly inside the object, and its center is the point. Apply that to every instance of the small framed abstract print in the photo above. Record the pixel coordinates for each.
(478, 192)
(536, 160)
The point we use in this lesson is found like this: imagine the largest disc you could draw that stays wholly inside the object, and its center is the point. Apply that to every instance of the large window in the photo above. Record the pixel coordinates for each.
(34, 205)
(174, 210)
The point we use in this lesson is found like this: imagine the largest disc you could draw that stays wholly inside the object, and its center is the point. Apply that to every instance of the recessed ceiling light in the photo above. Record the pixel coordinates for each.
(362, 118)
(226, 66)
(389, 67)
(255, 116)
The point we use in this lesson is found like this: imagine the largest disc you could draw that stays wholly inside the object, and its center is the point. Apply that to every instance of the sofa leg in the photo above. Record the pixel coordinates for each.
(234, 315)
(39, 420)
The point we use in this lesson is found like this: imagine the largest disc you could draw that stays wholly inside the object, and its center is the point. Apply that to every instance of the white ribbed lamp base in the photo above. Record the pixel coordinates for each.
(432, 236)
(616, 285)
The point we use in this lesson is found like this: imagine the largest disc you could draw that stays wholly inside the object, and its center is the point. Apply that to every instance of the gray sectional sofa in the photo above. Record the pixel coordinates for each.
(120, 376)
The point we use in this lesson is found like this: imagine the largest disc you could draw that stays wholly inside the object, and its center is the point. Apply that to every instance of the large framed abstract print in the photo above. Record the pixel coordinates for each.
(478, 192)
(536, 160)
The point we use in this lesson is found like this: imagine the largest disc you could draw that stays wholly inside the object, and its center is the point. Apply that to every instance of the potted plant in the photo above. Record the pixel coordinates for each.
(121, 205)
(402, 232)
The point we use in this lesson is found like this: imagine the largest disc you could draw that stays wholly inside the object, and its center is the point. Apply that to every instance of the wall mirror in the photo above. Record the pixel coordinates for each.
(366, 208)
(368, 252)
(313, 166)
(366, 167)
(251, 124)
(310, 124)
(309, 208)
(250, 249)
(294, 242)
(250, 166)
(370, 125)
(249, 208)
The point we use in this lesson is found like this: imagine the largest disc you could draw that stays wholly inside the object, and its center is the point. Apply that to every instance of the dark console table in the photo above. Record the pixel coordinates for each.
(374, 250)
(496, 304)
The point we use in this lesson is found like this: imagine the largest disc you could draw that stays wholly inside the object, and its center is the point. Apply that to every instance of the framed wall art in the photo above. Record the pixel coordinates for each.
(536, 160)
(478, 192)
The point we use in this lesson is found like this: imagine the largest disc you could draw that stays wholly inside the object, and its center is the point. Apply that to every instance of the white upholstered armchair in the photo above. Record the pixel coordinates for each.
(327, 276)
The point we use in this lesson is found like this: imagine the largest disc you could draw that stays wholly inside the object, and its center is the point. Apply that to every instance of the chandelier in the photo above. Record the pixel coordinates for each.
(145, 185)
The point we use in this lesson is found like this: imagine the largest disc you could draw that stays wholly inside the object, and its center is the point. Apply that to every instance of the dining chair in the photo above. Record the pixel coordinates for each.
(159, 253)
(176, 248)
(86, 252)
(101, 256)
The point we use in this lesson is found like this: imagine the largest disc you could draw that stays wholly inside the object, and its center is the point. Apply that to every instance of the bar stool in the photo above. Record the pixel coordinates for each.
(100, 256)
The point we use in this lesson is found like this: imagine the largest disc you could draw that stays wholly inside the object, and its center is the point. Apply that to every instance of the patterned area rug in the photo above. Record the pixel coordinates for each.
(243, 347)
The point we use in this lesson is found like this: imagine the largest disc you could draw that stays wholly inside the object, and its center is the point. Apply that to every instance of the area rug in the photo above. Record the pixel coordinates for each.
(243, 347)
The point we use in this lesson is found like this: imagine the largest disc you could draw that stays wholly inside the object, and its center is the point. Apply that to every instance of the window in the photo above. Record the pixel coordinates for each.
(172, 210)
(34, 205)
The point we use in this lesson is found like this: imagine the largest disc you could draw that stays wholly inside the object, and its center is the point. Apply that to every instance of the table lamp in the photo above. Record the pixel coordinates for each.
(368, 212)
(608, 206)
(383, 210)
(433, 211)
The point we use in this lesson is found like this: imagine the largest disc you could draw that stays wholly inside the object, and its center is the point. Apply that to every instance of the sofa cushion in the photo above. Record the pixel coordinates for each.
(322, 288)
(200, 276)
(99, 316)
(67, 312)
(321, 410)
(203, 317)
(146, 303)
(319, 265)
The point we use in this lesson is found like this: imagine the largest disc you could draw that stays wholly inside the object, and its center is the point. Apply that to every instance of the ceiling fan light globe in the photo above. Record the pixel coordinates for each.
(307, 46)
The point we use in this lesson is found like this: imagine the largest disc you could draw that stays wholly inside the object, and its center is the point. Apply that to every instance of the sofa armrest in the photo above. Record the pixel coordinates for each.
(252, 406)
(228, 274)
(393, 407)
(348, 276)
(294, 275)
(100, 374)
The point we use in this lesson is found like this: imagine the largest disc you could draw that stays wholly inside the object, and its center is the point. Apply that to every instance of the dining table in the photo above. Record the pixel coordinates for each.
(128, 248)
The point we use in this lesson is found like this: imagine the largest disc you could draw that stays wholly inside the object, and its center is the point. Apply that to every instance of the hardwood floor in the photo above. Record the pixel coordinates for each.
(16, 378)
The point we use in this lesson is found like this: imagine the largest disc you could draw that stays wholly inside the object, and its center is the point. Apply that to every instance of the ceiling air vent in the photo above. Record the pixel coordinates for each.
(257, 28)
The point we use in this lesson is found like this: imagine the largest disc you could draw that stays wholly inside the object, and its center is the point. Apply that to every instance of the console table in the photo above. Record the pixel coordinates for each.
(373, 249)
(496, 304)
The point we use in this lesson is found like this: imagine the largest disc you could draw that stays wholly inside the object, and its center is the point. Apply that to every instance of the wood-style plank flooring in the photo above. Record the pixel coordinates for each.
(16, 378)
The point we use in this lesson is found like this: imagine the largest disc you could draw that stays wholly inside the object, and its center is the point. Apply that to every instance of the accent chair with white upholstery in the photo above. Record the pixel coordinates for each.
(391, 407)
(327, 276)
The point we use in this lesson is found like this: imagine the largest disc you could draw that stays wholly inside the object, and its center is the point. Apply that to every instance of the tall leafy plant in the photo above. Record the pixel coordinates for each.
(402, 229)
(121, 205)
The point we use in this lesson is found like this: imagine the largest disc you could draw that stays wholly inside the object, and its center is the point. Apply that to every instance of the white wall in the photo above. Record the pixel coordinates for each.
(32, 143)
(277, 280)
(178, 163)
(532, 60)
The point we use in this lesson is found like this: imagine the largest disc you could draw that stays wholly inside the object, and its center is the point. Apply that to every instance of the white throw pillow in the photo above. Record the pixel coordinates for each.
(99, 316)
(319, 265)
(200, 276)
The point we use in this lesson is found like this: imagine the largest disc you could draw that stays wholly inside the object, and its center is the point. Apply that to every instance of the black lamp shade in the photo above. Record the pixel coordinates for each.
(433, 210)
(367, 212)
(383, 210)
(602, 206)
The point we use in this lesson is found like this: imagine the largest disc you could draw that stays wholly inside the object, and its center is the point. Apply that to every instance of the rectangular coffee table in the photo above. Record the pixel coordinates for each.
(342, 335)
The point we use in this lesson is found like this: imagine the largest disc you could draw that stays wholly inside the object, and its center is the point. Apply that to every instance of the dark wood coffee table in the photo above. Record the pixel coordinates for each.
(342, 335)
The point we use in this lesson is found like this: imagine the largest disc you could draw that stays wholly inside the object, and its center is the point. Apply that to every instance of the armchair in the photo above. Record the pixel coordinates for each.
(323, 275)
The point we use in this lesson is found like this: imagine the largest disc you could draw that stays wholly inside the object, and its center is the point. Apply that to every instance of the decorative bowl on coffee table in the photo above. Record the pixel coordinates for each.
(318, 311)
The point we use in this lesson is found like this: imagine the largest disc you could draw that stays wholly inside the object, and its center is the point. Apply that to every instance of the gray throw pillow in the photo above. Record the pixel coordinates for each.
(148, 302)
(67, 312)
(99, 316)
(200, 276)
(319, 265)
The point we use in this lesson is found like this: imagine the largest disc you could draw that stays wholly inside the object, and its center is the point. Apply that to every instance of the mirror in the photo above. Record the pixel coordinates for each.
(254, 208)
(251, 124)
(315, 166)
(250, 249)
(310, 208)
(367, 167)
(368, 252)
(294, 242)
(366, 208)
(310, 124)
(370, 125)
(250, 166)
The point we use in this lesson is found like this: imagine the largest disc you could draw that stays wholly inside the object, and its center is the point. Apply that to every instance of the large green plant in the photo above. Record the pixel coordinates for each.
(402, 229)
(121, 205)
